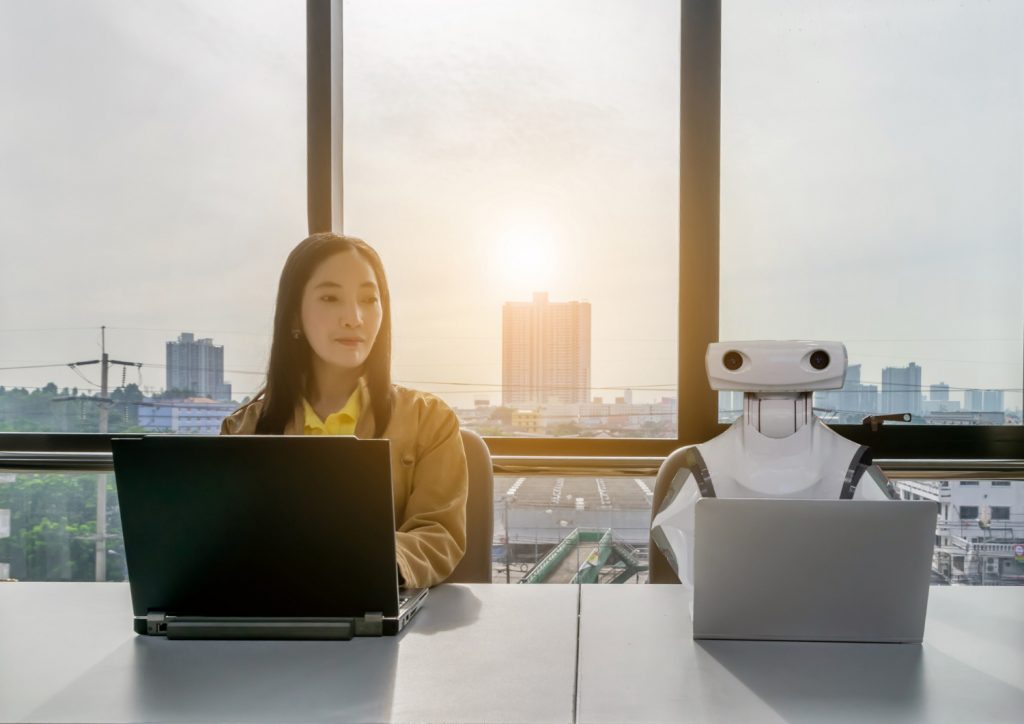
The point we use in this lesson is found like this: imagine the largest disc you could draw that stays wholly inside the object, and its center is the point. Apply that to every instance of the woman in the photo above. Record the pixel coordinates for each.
(330, 373)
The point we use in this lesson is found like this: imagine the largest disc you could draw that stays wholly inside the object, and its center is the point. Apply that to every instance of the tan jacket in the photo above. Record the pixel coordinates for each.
(428, 475)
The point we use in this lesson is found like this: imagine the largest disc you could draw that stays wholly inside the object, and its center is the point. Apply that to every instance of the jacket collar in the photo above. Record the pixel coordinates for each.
(364, 425)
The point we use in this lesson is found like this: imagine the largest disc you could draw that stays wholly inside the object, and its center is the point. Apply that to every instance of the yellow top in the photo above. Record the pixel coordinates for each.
(342, 422)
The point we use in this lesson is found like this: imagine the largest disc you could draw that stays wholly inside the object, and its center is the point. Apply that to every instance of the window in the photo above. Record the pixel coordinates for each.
(169, 198)
(546, 526)
(968, 483)
(968, 512)
(517, 163)
(48, 525)
(596, 191)
(859, 144)
(1000, 483)
(1000, 512)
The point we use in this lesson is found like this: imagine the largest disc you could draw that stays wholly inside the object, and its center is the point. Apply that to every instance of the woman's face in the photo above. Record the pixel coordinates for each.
(341, 310)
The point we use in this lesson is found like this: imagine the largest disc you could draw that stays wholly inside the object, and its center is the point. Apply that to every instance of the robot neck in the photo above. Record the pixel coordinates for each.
(777, 415)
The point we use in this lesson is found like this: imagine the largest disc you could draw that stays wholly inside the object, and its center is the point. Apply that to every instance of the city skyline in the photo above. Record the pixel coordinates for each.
(898, 394)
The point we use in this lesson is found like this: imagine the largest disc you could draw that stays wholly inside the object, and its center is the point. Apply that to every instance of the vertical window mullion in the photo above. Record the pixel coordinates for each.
(699, 155)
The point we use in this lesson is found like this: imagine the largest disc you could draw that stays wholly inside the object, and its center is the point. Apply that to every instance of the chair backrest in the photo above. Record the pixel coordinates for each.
(475, 566)
(659, 569)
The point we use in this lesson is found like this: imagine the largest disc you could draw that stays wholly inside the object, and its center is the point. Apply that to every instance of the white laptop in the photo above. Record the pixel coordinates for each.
(812, 570)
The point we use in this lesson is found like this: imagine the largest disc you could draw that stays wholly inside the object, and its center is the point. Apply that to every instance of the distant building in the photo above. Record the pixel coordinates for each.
(965, 417)
(620, 414)
(978, 532)
(901, 389)
(983, 400)
(850, 404)
(992, 401)
(527, 421)
(545, 352)
(194, 415)
(197, 365)
(939, 392)
(934, 407)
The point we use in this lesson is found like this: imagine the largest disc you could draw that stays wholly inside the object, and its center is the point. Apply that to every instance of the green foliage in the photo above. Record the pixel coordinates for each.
(174, 394)
(565, 429)
(53, 523)
(502, 415)
(51, 410)
(487, 430)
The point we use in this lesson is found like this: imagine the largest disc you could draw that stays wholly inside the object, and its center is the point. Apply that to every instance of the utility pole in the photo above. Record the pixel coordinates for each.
(104, 402)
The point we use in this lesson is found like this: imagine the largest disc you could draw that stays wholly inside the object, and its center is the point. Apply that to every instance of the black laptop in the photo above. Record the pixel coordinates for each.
(260, 537)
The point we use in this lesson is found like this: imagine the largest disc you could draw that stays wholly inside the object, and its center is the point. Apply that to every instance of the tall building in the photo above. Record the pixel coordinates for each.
(850, 404)
(992, 401)
(545, 352)
(901, 389)
(974, 400)
(939, 392)
(197, 365)
(983, 400)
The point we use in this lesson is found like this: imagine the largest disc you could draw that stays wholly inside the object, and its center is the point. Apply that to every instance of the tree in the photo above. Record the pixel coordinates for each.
(502, 415)
(174, 394)
(564, 429)
(52, 519)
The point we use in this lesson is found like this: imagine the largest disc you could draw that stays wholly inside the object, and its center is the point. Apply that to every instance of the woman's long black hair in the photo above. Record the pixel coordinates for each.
(289, 369)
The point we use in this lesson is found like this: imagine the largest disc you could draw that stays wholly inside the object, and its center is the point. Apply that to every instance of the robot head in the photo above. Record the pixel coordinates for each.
(776, 367)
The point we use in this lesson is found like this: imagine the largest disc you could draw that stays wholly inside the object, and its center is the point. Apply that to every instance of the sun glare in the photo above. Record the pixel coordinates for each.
(524, 262)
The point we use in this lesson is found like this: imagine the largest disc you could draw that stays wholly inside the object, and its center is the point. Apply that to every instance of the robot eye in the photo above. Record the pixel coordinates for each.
(732, 360)
(820, 359)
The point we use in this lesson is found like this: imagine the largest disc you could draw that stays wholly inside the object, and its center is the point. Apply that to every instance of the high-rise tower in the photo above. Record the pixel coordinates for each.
(545, 352)
(197, 365)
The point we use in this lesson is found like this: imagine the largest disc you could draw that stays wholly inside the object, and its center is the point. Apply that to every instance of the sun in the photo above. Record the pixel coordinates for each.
(524, 262)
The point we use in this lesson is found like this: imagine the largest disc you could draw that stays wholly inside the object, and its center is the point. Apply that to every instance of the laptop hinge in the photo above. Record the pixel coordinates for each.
(248, 628)
(156, 623)
(372, 624)
(195, 627)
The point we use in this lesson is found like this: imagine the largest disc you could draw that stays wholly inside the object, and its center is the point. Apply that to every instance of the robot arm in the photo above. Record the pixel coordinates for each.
(875, 486)
(683, 478)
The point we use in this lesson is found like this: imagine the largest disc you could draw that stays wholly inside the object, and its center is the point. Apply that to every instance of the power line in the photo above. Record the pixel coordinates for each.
(32, 367)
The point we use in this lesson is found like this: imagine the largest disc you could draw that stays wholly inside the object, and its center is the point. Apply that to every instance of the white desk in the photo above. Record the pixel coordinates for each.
(475, 653)
(499, 653)
(639, 662)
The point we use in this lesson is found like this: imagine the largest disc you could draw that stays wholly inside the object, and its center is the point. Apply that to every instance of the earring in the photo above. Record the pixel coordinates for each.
(296, 333)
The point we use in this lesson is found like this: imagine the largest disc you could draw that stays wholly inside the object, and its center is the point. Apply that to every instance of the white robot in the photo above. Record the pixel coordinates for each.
(777, 449)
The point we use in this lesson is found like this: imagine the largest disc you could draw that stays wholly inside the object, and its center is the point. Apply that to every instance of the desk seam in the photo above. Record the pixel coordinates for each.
(576, 676)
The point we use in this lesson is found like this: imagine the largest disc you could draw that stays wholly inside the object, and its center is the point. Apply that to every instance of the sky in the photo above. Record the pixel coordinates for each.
(152, 179)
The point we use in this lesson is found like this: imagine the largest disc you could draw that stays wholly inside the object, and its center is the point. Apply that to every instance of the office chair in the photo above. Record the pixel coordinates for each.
(659, 570)
(475, 566)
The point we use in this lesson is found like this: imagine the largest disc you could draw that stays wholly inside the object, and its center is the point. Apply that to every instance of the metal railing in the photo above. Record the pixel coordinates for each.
(936, 469)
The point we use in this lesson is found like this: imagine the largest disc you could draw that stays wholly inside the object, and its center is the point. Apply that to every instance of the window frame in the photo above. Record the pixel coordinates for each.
(698, 318)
